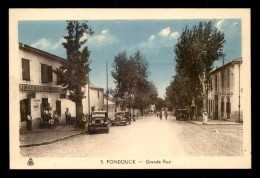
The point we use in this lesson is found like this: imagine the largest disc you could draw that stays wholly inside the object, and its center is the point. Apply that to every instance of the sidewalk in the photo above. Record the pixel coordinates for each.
(216, 122)
(46, 136)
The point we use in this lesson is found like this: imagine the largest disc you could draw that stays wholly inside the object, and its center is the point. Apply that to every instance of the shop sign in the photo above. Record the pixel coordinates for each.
(38, 88)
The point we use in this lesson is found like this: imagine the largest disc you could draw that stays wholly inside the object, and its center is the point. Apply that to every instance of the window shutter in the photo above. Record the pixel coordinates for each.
(58, 79)
(44, 73)
(222, 106)
(50, 78)
(58, 107)
(26, 69)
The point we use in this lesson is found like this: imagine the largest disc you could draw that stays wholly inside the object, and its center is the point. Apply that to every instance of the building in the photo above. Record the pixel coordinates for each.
(224, 99)
(112, 109)
(39, 88)
(96, 97)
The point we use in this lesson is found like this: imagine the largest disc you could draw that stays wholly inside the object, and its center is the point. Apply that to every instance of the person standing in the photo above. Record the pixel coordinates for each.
(205, 117)
(165, 114)
(29, 122)
(67, 115)
(160, 115)
(55, 117)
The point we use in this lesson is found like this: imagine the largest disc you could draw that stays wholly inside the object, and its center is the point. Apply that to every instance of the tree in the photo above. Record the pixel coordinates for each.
(159, 103)
(74, 70)
(132, 90)
(196, 51)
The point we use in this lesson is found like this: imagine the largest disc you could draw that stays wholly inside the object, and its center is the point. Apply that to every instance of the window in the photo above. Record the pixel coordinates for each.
(26, 69)
(222, 79)
(222, 107)
(58, 79)
(49, 70)
(216, 82)
(228, 106)
(228, 78)
(46, 73)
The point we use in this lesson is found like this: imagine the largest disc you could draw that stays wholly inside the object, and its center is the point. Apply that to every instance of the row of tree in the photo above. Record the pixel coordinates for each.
(133, 89)
(195, 53)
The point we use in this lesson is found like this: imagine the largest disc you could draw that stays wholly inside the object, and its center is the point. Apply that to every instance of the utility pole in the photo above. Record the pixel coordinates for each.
(88, 100)
(107, 87)
(239, 95)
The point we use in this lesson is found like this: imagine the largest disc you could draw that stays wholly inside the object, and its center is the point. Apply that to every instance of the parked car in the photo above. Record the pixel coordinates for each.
(181, 113)
(121, 118)
(98, 122)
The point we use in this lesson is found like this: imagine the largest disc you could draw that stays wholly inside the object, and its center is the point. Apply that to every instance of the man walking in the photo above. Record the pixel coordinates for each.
(67, 115)
(205, 117)
(160, 115)
(165, 114)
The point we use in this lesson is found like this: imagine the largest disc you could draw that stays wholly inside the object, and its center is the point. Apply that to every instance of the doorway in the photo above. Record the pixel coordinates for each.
(216, 107)
(25, 109)
(228, 108)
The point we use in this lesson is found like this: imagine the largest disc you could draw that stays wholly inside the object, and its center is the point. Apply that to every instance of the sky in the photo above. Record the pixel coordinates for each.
(154, 38)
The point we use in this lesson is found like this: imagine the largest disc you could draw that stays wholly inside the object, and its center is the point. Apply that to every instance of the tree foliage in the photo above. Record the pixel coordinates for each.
(74, 70)
(133, 90)
(195, 53)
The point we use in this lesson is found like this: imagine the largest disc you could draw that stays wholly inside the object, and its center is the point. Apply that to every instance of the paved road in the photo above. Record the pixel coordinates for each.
(149, 137)
(146, 137)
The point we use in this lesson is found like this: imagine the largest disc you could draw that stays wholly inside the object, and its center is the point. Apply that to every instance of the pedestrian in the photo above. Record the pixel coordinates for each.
(29, 122)
(205, 117)
(67, 115)
(157, 114)
(165, 114)
(45, 118)
(160, 115)
(55, 117)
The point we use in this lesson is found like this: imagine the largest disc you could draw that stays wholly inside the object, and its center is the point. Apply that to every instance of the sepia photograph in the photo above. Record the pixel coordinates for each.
(129, 89)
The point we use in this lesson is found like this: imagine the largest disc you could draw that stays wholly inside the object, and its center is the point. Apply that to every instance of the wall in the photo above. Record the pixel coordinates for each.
(96, 101)
(66, 103)
(36, 59)
(231, 91)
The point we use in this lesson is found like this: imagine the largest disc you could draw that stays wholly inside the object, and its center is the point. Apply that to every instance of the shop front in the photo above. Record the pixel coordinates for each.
(33, 99)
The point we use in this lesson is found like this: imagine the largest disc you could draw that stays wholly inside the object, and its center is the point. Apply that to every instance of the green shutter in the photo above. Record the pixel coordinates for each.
(44, 73)
(26, 69)
(49, 70)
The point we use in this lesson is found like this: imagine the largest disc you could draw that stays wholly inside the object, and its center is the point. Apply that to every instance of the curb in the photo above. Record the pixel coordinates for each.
(217, 123)
(51, 141)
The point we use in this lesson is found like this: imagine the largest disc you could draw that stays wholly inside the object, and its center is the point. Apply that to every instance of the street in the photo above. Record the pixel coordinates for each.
(149, 137)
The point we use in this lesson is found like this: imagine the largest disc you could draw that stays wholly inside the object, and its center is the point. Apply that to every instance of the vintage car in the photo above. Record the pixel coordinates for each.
(121, 118)
(98, 122)
(181, 113)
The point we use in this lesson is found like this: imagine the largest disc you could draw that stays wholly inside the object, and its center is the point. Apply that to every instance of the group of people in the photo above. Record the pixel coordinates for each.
(48, 114)
(160, 114)
(204, 116)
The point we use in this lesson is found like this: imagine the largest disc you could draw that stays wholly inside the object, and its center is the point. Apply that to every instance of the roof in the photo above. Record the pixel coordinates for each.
(235, 61)
(27, 47)
(109, 102)
(95, 87)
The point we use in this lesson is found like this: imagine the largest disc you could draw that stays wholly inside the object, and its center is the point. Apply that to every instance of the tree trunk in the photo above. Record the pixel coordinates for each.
(204, 93)
(79, 110)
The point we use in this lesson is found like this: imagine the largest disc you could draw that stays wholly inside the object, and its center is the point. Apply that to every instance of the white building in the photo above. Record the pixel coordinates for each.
(38, 88)
(112, 109)
(224, 101)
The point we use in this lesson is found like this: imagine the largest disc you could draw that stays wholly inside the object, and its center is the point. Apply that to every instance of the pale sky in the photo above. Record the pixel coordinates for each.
(154, 38)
